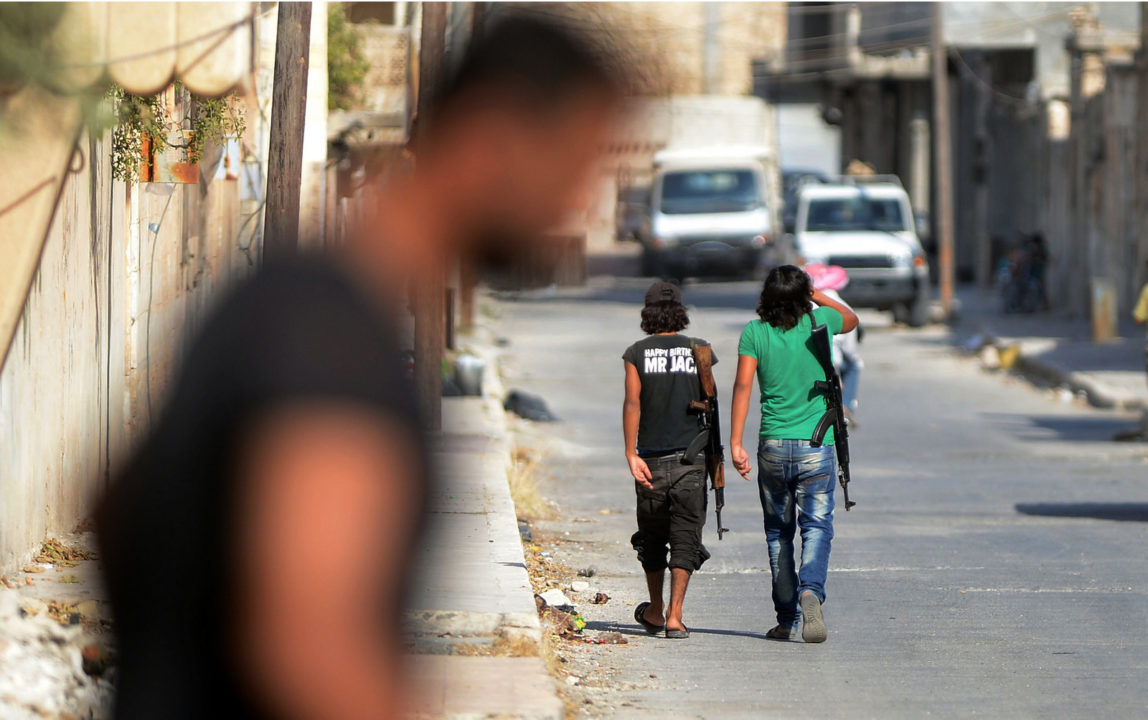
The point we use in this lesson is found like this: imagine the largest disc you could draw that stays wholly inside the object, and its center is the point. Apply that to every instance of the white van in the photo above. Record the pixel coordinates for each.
(709, 211)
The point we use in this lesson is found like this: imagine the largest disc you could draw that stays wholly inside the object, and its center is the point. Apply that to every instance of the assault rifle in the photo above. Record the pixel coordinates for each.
(835, 413)
(709, 438)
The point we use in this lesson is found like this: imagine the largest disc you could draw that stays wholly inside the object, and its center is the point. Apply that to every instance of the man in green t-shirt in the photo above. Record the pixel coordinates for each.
(795, 479)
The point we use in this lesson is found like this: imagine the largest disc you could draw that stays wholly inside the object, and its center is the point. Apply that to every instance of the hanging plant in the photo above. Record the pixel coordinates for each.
(145, 127)
(214, 120)
(136, 117)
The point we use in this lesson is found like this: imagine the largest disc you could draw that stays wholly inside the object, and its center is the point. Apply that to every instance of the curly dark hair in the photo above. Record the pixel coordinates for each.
(785, 297)
(666, 316)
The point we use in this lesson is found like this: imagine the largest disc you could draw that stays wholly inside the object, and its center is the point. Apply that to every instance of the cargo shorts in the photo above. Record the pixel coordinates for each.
(671, 515)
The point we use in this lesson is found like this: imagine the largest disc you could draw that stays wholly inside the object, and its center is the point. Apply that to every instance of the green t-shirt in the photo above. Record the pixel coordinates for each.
(786, 371)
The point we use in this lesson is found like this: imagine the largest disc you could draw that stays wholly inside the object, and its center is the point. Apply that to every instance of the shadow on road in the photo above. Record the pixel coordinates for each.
(1059, 427)
(1127, 512)
(632, 629)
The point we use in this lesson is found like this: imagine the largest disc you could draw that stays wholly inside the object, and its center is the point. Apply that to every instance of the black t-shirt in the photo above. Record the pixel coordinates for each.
(665, 363)
(295, 332)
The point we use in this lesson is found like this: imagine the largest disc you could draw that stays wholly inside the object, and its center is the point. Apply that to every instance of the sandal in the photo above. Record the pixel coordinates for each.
(678, 634)
(639, 613)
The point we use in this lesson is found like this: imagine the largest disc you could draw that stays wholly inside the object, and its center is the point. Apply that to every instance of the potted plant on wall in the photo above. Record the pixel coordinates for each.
(162, 138)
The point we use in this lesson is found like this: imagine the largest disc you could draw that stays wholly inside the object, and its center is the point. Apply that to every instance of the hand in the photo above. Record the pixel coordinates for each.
(740, 460)
(640, 471)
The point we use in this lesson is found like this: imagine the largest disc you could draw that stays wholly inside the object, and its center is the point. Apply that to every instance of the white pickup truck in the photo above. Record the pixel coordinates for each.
(866, 225)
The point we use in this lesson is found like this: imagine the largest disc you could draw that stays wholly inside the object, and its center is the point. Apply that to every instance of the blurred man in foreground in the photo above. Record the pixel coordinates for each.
(256, 549)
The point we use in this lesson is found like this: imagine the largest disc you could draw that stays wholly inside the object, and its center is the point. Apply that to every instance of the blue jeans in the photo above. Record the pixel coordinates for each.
(850, 372)
(796, 484)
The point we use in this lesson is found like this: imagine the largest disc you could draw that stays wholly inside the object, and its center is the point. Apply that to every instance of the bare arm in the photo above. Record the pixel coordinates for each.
(323, 528)
(848, 317)
(631, 414)
(739, 407)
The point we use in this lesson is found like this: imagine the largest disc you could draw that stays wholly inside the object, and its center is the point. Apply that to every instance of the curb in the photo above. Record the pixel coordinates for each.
(478, 592)
(1058, 375)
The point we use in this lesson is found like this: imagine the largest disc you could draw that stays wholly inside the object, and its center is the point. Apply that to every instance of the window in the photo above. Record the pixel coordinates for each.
(856, 213)
(364, 12)
(709, 191)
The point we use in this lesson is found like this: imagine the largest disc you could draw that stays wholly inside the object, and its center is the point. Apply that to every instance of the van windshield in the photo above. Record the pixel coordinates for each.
(709, 191)
(855, 213)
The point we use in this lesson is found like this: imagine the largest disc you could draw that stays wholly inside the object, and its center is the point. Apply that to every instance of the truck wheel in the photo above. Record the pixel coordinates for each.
(901, 313)
(753, 265)
(918, 312)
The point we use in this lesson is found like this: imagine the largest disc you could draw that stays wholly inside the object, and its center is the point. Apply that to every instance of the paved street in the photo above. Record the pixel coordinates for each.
(995, 565)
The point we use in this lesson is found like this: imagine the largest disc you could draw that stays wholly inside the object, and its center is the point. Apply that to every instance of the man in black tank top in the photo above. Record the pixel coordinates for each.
(661, 380)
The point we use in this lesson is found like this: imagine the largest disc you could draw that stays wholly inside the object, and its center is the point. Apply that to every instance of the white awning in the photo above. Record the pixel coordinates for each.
(141, 46)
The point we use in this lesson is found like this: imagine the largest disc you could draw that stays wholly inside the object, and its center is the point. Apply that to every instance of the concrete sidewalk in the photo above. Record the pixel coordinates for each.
(473, 624)
(1058, 350)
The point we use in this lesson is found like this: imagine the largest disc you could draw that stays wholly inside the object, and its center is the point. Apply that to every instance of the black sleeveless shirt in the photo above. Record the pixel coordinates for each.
(294, 332)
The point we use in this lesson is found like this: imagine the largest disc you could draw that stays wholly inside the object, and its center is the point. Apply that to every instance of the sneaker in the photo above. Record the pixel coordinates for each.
(851, 419)
(782, 633)
(813, 628)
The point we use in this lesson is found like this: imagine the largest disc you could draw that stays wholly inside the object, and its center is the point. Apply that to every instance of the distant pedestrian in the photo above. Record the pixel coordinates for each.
(831, 279)
(1140, 313)
(258, 547)
(796, 480)
(661, 381)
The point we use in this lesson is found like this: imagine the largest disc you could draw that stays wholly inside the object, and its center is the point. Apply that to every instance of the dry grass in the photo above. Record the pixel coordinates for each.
(54, 552)
(505, 645)
(523, 478)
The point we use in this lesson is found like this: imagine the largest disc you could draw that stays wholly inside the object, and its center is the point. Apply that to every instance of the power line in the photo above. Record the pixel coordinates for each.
(230, 27)
(821, 9)
(829, 54)
(969, 72)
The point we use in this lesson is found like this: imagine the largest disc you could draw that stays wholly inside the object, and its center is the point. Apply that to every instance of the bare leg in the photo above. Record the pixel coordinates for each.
(655, 581)
(679, 580)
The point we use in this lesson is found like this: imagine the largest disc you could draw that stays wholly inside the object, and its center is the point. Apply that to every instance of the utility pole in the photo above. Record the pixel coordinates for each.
(983, 171)
(288, 118)
(942, 151)
(1141, 188)
(467, 272)
(430, 292)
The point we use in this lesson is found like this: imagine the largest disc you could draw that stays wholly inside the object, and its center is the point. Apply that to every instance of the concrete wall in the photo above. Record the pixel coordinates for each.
(804, 140)
(126, 274)
(387, 48)
(1043, 26)
(54, 386)
(882, 126)
(313, 187)
(685, 48)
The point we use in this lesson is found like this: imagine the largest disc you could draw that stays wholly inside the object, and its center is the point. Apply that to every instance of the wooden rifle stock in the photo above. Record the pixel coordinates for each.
(715, 453)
